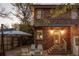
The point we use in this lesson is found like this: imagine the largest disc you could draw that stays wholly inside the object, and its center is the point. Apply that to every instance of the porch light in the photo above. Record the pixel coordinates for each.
(51, 31)
(62, 32)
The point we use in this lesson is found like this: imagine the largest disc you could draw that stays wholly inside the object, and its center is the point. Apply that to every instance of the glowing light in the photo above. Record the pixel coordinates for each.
(41, 36)
(51, 31)
(56, 41)
(62, 32)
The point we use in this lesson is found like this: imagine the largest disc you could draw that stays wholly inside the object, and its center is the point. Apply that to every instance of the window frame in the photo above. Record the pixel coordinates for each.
(39, 34)
(39, 14)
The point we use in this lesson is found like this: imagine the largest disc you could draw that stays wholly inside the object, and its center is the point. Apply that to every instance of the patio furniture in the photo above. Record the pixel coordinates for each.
(39, 50)
(32, 49)
(24, 51)
(40, 47)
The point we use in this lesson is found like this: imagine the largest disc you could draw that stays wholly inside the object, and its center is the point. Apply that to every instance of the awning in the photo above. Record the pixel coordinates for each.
(15, 32)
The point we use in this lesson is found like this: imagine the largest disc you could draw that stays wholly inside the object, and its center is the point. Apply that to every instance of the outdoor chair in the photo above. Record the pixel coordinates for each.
(32, 50)
(33, 47)
(40, 47)
(39, 50)
(24, 51)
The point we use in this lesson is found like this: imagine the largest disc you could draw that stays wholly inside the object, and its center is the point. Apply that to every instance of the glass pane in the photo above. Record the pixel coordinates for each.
(74, 15)
(39, 34)
(39, 14)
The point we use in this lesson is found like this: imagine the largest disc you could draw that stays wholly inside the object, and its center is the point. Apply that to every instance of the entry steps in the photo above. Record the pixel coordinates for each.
(51, 51)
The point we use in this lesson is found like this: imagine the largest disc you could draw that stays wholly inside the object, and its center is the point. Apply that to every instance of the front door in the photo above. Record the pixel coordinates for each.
(56, 37)
(59, 42)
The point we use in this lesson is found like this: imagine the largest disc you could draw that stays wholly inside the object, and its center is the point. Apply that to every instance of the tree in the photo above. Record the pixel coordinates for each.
(61, 9)
(23, 12)
(5, 12)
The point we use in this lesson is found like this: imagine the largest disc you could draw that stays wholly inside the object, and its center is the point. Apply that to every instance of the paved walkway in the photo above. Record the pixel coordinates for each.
(15, 52)
(11, 53)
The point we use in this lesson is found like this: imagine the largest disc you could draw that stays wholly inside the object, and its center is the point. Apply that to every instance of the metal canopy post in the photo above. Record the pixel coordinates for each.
(2, 41)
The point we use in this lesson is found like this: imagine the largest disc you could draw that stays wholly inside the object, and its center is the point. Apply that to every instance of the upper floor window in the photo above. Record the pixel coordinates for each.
(74, 15)
(39, 14)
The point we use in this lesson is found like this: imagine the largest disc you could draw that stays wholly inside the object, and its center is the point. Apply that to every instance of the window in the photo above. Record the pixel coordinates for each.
(74, 15)
(39, 34)
(39, 14)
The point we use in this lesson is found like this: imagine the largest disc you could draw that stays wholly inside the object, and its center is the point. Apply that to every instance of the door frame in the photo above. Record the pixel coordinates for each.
(58, 33)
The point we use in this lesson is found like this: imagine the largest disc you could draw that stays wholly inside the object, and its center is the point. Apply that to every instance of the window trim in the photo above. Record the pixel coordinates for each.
(39, 34)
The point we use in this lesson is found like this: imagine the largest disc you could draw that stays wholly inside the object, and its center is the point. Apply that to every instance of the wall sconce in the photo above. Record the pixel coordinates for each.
(51, 31)
(62, 32)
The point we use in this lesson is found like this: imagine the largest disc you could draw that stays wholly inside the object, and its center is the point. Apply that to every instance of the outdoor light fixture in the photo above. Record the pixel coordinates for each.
(41, 36)
(62, 32)
(51, 31)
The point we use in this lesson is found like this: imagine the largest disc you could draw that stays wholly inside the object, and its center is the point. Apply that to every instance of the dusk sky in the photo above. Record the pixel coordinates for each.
(8, 8)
